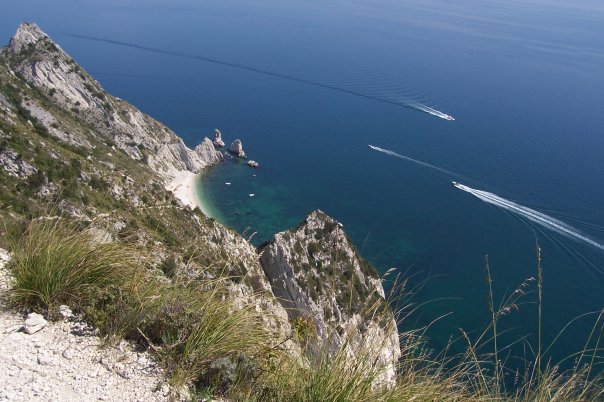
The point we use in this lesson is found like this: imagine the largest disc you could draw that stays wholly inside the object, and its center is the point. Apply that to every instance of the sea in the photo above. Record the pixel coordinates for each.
(308, 86)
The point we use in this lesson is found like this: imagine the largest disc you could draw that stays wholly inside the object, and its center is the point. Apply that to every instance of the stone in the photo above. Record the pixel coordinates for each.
(65, 312)
(44, 360)
(237, 148)
(218, 142)
(253, 164)
(34, 323)
(67, 354)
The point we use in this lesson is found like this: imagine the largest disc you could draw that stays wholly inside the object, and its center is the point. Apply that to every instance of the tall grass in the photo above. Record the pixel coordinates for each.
(541, 379)
(480, 373)
(217, 329)
(187, 324)
(196, 328)
(55, 263)
(356, 372)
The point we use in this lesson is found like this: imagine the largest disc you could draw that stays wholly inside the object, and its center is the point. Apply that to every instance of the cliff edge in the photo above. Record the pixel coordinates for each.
(43, 64)
(318, 275)
(69, 150)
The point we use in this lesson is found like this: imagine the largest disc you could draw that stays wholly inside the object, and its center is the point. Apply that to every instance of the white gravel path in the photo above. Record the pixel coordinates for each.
(63, 362)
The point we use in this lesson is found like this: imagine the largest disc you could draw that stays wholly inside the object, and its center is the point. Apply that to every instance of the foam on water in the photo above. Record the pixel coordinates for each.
(424, 164)
(530, 214)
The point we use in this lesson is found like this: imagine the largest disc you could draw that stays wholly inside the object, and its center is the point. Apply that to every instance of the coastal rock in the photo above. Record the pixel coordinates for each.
(242, 261)
(237, 148)
(218, 142)
(321, 280)
(253, 164)
(206, 152)
(34, 323)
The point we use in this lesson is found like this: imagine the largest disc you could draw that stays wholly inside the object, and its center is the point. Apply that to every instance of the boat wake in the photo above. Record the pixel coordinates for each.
(530, 214)
(426, 109)
(424, 164)
(360, 80)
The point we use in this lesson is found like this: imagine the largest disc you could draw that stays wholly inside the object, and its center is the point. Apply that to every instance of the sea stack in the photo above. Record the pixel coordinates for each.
(218, 142)
(253, 163)
(237, 148)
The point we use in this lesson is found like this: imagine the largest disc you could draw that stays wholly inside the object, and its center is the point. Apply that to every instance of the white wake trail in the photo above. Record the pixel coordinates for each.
(530, 214)
(427, 109)
(392, 153)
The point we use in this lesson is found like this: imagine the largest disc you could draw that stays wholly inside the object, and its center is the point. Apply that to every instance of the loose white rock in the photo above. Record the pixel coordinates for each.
(34, 323)
(65, 311)
(44, 360)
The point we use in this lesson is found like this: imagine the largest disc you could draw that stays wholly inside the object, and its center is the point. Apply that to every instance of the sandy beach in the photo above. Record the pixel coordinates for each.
(184, 188)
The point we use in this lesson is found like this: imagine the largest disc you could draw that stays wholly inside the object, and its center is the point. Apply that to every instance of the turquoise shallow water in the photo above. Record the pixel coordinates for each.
(523, 81)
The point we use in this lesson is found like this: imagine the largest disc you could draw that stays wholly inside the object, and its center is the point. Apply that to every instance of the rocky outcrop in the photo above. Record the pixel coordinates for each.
(236, 148)
(318, 276)
(12, 164)
(44, 65)
(239, 259)
(253, 164)
(315, 272)
(218, 142)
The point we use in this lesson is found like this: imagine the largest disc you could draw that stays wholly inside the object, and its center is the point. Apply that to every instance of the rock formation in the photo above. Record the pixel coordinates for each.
(218, 142)
(44, 65)
(317, 274)
(102, 128)
(237, 148)
(13, 165)
(253, 164)
(99, 159)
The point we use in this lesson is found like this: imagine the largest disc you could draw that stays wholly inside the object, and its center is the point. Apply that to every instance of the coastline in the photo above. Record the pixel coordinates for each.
(186, 186)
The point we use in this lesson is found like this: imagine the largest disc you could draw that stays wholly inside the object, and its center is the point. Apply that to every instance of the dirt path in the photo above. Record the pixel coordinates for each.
(63, 362)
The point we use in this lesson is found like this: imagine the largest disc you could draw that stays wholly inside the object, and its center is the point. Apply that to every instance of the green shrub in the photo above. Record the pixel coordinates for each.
(169, 266)
(216, 329)
(55, 263)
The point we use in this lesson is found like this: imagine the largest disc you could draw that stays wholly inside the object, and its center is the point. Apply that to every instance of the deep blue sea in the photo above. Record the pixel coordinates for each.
(308, 85)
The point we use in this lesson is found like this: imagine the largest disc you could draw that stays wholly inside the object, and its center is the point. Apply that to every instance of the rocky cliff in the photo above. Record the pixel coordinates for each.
(318, 275)
(68, 148)
(43, 64)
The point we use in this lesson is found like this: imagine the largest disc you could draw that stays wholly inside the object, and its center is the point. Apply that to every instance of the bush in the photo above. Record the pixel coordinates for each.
(215, 329)
(169, 266)
(55, 263)
(189, 325)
